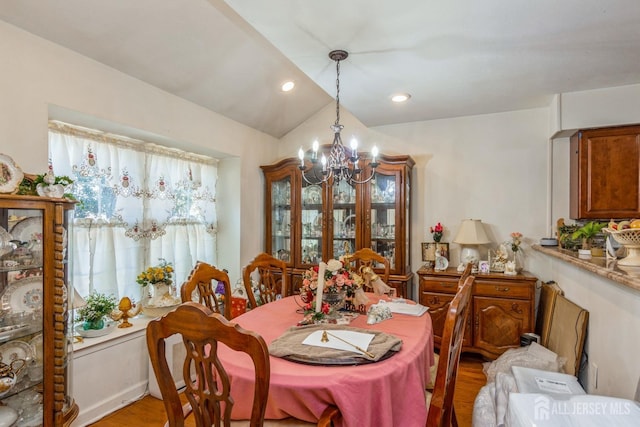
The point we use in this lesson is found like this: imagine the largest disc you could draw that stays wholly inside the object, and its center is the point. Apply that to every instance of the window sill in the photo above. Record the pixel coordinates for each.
(598, 265)
(90, 345)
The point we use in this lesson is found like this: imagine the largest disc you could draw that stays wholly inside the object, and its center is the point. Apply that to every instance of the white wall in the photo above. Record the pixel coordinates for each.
(492, 167)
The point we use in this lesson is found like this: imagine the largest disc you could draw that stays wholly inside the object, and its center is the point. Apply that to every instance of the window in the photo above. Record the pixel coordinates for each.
(138, 203)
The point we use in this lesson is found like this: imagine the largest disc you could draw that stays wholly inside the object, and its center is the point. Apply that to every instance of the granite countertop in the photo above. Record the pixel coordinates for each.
(630, 276)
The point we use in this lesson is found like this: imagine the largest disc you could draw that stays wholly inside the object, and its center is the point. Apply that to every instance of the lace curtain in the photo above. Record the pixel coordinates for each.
(139, 203)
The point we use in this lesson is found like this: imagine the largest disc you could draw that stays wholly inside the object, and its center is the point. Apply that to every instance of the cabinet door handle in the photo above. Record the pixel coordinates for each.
(434, 300)
(501, 289)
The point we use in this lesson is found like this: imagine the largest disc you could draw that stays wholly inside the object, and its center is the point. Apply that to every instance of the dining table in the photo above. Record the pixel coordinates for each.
(386, 393)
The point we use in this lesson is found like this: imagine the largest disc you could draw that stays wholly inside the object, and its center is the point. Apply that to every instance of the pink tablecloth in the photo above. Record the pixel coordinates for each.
(383, 394)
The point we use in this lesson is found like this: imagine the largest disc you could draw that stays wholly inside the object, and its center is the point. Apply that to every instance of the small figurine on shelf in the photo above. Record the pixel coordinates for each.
(125, 311)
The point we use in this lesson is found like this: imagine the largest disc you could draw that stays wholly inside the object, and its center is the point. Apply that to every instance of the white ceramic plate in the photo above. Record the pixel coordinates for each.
(92, 333)
(14, 350)
(441, 263)
(24, 295)
(10, 174)
(311, 194)
(28, 229)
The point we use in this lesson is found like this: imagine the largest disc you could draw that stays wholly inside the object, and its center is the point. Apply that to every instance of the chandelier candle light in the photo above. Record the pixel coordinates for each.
(339, 166)
(320, 289)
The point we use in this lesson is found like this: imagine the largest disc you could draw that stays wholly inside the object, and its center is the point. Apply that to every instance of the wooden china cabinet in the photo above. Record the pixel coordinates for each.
(35, 341)
(306, 224)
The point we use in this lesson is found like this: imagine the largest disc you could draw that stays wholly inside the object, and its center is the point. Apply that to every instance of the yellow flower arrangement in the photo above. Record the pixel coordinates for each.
(160, 273)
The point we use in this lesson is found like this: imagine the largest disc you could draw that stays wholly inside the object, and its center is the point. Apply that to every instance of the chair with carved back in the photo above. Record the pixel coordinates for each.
(208, 391)
(366, 257)
(206, 381)
(204, 278)
(440, 401)
(271, 278)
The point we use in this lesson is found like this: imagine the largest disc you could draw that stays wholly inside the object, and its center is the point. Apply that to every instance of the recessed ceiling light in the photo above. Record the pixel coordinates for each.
(400, 97)
(287, 86)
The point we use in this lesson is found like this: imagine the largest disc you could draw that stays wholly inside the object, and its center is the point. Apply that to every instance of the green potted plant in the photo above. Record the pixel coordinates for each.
(587, 232)
(97, 308)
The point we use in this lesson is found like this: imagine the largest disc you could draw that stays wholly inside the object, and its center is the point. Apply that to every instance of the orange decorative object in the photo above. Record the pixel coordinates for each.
(126, 310)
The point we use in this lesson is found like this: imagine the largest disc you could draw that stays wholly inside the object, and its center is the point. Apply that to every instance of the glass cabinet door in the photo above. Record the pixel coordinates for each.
(343, 197)
(35, 350)
(312, 221)
(383, 216)
(281, 219)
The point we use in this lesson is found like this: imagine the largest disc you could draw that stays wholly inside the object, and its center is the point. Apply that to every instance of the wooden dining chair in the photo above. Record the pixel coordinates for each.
(203, 280)
(207, 383)
(366, 257)
(436, 357)
(271, 274)
(207, 389)
(440, 401)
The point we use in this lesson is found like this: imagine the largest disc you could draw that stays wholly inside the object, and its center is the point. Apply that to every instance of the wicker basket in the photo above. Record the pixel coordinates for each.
(630, 239)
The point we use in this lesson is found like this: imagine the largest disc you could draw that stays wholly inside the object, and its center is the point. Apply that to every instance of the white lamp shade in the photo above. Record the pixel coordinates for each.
(471, 232)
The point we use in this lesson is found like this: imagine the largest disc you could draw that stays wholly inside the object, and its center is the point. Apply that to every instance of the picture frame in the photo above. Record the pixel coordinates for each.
(484, 267)
(431, 249)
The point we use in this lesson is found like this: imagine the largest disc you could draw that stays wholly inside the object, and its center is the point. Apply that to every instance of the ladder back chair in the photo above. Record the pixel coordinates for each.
(272, 279)
(441, 412)
(204, 279)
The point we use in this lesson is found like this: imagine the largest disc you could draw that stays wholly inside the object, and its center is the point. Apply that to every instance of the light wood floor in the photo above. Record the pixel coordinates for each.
(149, 411)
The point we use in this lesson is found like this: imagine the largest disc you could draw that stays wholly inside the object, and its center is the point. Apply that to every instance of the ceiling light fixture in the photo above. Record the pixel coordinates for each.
(400, 97)
(338, 165)
(287, 86)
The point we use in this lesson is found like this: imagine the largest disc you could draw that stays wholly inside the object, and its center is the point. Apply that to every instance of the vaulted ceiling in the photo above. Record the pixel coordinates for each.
(455, 58)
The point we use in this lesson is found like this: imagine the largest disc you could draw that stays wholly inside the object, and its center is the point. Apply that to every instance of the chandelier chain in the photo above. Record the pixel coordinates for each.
(337, 93)
(339, 166)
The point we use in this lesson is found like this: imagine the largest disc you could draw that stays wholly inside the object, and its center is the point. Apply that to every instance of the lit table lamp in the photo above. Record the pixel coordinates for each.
(470, 235)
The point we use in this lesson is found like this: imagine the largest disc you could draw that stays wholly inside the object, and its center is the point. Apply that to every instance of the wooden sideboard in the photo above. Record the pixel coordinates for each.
(502, 308)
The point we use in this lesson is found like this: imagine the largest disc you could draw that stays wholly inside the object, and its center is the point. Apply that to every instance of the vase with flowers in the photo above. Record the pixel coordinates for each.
(98, 306)
(159, 277)
(514, 243)
(436, 232)
(339, 285)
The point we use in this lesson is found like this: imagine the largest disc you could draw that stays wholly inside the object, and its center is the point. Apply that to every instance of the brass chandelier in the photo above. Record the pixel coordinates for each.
(339, 165)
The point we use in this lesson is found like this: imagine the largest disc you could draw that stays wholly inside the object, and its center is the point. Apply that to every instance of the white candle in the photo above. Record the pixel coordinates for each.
(320, 288)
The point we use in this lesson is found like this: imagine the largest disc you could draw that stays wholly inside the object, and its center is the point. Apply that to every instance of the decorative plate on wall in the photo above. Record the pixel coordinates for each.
(10, 175)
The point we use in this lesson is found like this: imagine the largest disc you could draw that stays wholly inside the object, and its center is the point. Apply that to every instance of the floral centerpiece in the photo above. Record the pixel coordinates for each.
(338, 281)
(436, 232)
(159, 277)
(97, 307)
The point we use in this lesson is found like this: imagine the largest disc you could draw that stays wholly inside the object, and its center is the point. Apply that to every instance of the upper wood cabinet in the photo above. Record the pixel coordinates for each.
(605, 173)
(306, 224)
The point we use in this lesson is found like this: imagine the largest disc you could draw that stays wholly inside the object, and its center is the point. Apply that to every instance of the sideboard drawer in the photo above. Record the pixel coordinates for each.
(502, 289)
(439, 284)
